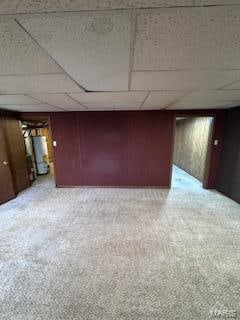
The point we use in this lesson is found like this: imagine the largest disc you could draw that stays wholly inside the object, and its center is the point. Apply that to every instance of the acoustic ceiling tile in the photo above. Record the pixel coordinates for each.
(212, 95)
(233, 86)
(31, 108)
(113, 105)
(215, 2)
(203, 105)
(33, 6)
(17, 99)
(188, 38)
(182, 80)
(19, 54)
(58, 99)
(96, 97)
(37, 84)
(93, 49)
(158, 99)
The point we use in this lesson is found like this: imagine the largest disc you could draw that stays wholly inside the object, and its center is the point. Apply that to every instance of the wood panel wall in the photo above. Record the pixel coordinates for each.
(113, 148)
(191, 144)
(229, 169)
(16, 152)
(66, 128)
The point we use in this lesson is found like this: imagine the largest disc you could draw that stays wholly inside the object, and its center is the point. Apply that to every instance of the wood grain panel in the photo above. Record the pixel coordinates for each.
(191, 144)
(6, 184)
(16, 152)
(67, 164)
(113, 148)
(59, 127)
(229, 170)
(47, 133)
(103, 148)
(150, 137)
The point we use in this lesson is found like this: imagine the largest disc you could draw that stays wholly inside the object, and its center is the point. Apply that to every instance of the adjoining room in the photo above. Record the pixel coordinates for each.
(38, 149)
(192, 151)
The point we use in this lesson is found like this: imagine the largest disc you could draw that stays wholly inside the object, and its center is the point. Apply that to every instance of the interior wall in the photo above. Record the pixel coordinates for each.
(16, 151)
(66, 129)
(229, 169)
(191, 144)
(113, 148)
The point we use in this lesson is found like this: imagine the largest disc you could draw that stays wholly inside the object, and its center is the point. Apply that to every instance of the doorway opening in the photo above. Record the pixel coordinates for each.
(38, 150)
(192, 150)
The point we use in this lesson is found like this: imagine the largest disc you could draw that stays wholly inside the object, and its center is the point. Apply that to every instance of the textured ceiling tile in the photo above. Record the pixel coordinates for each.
(33, 6)
(93, 49)
(59, 100)
(212, 95)
(234, 86)
(215, 2)
(182, 80)
(17, 99)
(158, 99)
(188, 38)
(19, 54)
(203, 104)
(101, 97)
(31, 108)
(113, 105)
(37, 84)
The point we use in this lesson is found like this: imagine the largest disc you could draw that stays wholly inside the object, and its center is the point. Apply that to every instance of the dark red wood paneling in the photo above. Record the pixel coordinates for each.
(65, 130)
(218, 132)
(150, 137)
(137, 145)
(113, 148)
(104, 148)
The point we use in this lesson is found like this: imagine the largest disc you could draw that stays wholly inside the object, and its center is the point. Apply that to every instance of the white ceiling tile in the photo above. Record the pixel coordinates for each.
(113, 105)
(33, 6)
(211, 95)
(37, 84)
(233, 86)
(19, 54)
(93, 49)
(203, 105)
(96, 97)
(59, 100)
(111, 100)
(215, 2)
(182, 80)
(31, 108)
(17, 99)
(160, 99)
(188, 38)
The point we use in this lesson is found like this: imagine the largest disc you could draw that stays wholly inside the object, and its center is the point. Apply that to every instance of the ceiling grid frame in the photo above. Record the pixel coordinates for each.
(234, 85)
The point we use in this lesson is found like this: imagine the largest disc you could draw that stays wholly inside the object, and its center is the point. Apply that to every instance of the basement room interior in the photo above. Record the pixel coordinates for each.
(119, 159)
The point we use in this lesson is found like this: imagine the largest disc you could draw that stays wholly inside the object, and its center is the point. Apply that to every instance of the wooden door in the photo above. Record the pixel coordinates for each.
(16, 153)
(6, 183)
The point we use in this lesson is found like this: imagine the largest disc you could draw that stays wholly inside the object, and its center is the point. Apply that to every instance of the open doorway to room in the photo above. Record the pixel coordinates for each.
(192, 149)
(39, 150)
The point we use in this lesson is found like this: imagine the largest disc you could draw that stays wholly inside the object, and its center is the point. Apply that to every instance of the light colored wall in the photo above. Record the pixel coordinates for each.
(191, 143)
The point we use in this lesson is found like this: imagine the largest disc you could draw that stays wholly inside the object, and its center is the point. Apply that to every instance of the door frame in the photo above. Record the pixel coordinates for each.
(47, 118)
(209, 147)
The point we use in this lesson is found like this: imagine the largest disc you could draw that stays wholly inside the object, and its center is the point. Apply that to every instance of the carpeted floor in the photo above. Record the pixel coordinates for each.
(124, 254)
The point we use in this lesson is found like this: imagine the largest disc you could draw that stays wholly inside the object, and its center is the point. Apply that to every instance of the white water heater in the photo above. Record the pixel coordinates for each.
(41, 154)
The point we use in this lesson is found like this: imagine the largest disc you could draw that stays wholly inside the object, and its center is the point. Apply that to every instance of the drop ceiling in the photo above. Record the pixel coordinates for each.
(119, 55)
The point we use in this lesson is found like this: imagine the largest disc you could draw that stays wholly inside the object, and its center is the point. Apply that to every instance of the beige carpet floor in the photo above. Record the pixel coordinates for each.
(124, 254)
